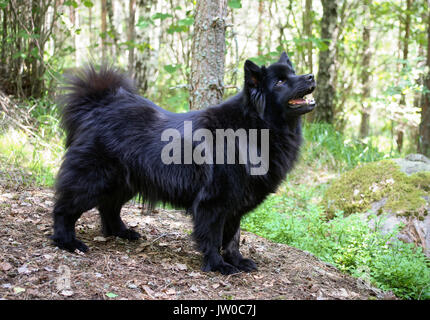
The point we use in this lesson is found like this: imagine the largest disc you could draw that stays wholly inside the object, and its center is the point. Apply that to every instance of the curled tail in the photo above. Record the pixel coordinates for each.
(89, 89)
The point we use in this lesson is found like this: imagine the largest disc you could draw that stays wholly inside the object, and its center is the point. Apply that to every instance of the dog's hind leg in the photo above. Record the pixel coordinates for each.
(208, 229)
(230, 245)
(67, 211)
(112, 224)
(79, 186)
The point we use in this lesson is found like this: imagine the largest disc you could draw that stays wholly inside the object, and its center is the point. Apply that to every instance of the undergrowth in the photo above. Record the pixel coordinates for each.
(30, 153)
(291, 216)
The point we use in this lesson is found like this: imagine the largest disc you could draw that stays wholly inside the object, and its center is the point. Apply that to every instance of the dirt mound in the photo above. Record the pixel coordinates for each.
(162, 265)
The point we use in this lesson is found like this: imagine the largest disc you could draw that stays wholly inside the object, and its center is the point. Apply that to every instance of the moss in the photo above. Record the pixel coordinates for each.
(421, 180)
(357, 189)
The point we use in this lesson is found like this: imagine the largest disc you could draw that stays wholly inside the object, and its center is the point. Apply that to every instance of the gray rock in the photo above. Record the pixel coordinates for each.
(415, 230)
(413, 163)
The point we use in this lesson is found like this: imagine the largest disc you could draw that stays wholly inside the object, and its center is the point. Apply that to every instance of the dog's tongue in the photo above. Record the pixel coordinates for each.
(297, 101)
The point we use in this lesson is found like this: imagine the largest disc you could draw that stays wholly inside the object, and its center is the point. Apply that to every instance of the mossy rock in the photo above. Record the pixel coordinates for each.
(355, 191)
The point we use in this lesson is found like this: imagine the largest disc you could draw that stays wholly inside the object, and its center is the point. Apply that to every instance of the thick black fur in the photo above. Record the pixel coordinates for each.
(114, 147)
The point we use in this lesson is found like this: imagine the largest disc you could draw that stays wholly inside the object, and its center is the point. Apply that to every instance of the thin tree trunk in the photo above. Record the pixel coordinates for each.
(131, 34)
(325, 92)
(104, 29)
(307, 30)
(4, 37)
(208, 54)
(400, 131)
(90, 24)
(365, 75)
(424, 130)
(113, 32)
(260, 27)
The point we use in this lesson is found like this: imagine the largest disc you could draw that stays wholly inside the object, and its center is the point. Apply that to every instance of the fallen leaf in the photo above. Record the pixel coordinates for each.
(111, 295)
(148, 291)
(5, 266)
(23, 269)
(194, 288)
(170, 291)
(194, 274)
(18, 290)
(100, 239)
(181, 266)
(67, 293)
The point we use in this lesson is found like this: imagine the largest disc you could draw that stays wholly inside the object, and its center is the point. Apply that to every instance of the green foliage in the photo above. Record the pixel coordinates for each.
(325, 146)
(234, 4)
(294, 216)
(32, 156)
(346, 242)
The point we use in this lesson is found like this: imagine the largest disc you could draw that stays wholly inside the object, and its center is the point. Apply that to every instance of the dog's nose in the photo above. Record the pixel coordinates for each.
(310, 77)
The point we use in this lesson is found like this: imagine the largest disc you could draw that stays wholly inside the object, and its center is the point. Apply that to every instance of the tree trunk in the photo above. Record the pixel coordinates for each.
(104, 30)
(110, 9)
(325, 92)
(365, 74)
(424, 130)
(260, 27)
(307, 30)
(401, 127)
(208, 54)
(143, 68)
(131, 34)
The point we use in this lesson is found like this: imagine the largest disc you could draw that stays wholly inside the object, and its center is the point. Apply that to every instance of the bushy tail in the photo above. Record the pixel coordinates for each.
(86, 90)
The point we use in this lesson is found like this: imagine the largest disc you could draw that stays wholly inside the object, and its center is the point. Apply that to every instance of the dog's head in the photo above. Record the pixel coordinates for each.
(278, 90)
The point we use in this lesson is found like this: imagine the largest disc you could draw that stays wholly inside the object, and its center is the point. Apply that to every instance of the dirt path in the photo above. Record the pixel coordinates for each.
(162, 265)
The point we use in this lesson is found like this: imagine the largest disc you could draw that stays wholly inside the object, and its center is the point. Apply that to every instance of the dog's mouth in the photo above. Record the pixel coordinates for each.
(307, 100)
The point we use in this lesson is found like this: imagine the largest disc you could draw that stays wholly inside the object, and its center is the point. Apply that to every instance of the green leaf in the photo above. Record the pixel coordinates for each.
(111, 295)
(186, 22)
(144, 23)
(171, 68)
(35, 52)
(234, 4)
(161, 16)
(88, 3)
(72, 3)
(3, 4)
(19, 55)
(176, 28)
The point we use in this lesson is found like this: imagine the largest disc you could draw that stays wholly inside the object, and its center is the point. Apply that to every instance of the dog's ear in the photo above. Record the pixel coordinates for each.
(284, 58)
(253, 74)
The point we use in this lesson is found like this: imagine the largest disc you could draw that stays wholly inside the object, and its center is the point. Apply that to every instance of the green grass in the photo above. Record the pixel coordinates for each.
(347, 242)
(31, 155)
(326, 147)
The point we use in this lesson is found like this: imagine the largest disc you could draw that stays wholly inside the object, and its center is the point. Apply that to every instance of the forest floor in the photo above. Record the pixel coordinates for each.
(163, 264)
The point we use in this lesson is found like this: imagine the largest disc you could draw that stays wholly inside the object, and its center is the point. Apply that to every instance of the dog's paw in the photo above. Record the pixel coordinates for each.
(128, 234)
(247, 265)
(223, 268)
(70, 246)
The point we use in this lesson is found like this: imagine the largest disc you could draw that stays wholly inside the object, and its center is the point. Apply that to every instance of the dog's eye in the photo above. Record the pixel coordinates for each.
(280, 82)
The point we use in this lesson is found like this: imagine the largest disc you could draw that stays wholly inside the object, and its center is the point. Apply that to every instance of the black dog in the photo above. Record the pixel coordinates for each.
(114, 146)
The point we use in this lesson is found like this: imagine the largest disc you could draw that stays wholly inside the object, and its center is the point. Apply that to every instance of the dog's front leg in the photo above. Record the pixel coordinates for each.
(208, 233)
